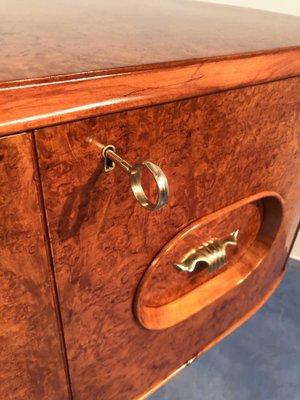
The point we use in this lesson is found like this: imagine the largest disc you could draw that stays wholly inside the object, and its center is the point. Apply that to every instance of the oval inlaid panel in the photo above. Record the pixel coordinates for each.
(168, 295)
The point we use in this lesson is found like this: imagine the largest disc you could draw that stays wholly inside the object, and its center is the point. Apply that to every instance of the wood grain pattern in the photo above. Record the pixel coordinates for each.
(160, 306)
(30, 352)
(46, 39)
(33, 106)
(215, 150)
(162, 269)
(232, 328)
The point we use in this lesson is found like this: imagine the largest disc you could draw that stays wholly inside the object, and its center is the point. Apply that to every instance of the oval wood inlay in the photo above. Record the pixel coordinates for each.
(167, 295)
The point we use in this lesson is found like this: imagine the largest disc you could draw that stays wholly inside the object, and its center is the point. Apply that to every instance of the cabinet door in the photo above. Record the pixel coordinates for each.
(216, 151)
(31, 359)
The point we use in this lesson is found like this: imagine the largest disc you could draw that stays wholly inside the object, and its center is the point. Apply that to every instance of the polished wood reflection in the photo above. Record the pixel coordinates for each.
(215, 150)
(42, 39)
(31, 360)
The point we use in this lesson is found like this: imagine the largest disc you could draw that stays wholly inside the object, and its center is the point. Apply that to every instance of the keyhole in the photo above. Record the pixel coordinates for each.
(109, 165)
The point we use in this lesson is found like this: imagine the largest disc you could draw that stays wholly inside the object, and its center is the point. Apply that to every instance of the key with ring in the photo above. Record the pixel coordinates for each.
(111, 158)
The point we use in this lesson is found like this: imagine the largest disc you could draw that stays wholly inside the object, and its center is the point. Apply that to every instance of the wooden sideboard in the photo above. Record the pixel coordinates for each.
(92, 305)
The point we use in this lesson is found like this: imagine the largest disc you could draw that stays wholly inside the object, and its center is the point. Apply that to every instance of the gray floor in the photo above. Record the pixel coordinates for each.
(259, 361)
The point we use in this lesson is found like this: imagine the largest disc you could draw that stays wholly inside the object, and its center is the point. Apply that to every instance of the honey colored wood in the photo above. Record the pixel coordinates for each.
(30, 351)
(174, 306)
(49, 38)
(236, 325)
(215, 226)
(215, 150)
(32, 106)
(158, 307)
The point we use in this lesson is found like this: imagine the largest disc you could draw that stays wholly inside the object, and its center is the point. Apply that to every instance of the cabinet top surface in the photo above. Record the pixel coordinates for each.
(42, 39)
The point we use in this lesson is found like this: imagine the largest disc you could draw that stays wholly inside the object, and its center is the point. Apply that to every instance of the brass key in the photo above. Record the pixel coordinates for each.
(111, 158)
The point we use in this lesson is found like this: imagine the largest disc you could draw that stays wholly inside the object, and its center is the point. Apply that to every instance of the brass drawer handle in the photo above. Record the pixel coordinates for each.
(212, 253)
(111, 158)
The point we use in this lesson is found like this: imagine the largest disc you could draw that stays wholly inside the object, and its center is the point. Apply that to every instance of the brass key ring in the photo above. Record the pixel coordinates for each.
(111, 158)
(161, 185)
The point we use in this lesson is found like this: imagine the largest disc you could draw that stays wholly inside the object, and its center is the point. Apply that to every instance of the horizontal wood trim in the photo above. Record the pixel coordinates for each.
(37, 105)
(138, 68)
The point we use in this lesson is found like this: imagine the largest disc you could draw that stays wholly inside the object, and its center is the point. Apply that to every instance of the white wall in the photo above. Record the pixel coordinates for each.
(282, 6)
(296, 249)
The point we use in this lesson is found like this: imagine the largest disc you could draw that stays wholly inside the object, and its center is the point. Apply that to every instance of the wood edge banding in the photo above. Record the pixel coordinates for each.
(49, 103)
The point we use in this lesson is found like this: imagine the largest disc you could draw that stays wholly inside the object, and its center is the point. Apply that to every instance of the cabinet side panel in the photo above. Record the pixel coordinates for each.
(30, 352)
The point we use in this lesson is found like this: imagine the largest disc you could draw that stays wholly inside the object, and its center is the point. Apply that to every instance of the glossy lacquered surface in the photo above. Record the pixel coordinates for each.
(36, 105)
(155, 79)
(189, 293)
(141, 53)
(61, 37)
(31, 359)
(215, 150)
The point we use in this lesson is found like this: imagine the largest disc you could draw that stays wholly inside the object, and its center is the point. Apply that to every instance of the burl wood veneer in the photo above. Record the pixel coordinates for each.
(31, 362)
(62, 64)
(42, 39)
(210, 93)
(190, 293)
(215, 150)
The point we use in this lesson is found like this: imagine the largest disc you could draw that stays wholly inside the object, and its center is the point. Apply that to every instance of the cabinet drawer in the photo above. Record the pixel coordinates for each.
(216, 151)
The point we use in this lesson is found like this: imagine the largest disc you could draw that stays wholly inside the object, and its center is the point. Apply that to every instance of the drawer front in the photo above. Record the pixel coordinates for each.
(192, 272)
(31, 360)
(215, 150)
